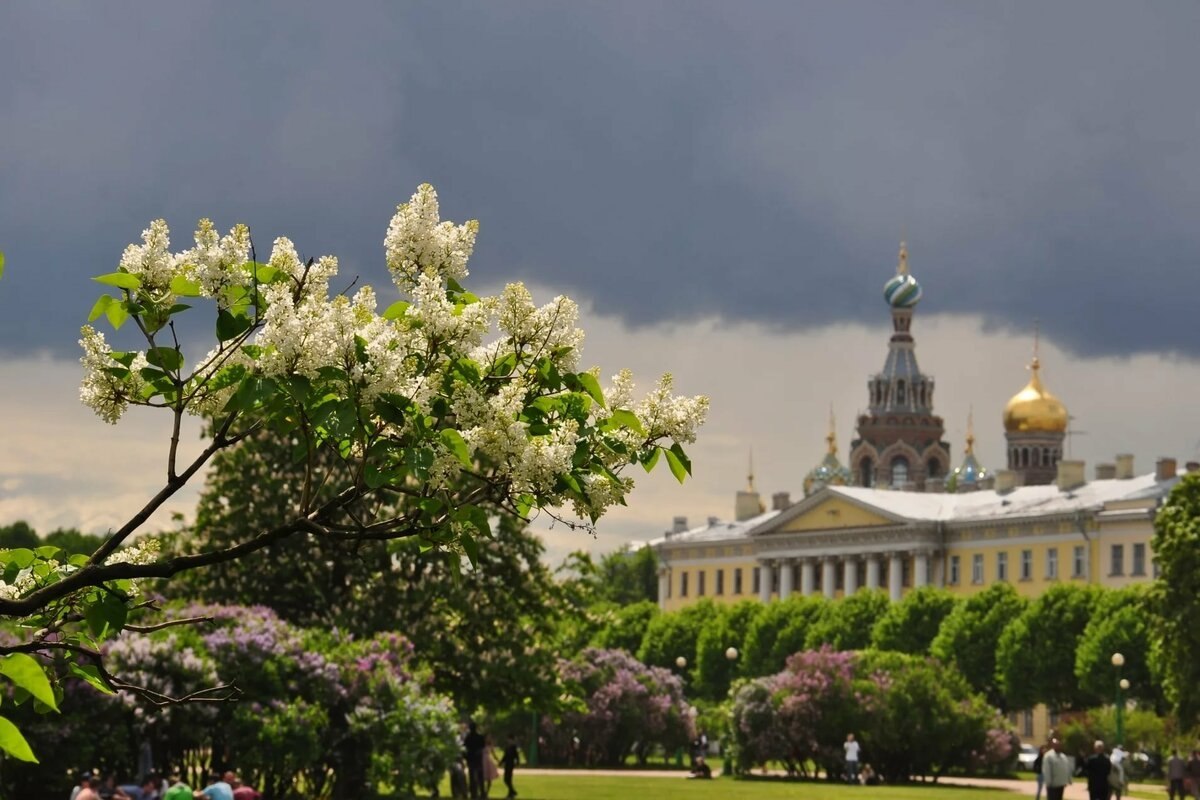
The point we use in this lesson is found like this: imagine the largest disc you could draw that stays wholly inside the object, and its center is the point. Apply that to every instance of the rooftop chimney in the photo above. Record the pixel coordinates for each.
(1165, 469)
(1071, 475)
(679, 525)
(747, 505)
(713, 521)
(1192, 466)
(1124, 467)
(780, 501)
(1106, 472)
(1005, 480)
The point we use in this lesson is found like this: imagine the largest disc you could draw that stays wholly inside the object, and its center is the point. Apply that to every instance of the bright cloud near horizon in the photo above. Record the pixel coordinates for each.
(723, 186)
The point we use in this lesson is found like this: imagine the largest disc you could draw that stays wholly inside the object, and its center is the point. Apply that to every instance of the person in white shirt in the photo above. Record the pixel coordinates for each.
(1056, 770)
(851, 747)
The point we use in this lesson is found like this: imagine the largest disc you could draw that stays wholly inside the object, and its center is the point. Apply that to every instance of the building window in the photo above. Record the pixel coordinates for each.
(866, 473)
(900, 392)
(1028, 724)
(1001, 566)
(1118, 560)
(1139, 560)
(1078, 562)
(899, 471)
(737, 581)
(933, 469)
(683, 576)
(700, 576)
(977, 568)
(756, 580)
(720, 581)
(1052, 563)
(1026, 565)
(1053, 720)
(955, 566)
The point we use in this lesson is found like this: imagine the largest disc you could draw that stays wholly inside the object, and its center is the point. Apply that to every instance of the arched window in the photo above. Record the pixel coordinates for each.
(1046, 462)
(933, 469)
(899, 471)
(900, 393)
(866, 473)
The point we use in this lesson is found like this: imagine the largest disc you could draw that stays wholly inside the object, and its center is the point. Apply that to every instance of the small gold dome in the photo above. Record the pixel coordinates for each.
(1035, 409)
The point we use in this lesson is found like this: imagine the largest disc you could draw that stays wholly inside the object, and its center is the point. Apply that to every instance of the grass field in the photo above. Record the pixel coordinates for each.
(572, 787)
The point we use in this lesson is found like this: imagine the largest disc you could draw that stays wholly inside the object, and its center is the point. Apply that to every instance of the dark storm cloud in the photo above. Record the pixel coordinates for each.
(667, 160)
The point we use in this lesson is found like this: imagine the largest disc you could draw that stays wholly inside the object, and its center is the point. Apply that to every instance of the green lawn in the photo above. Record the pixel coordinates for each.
(570, 787)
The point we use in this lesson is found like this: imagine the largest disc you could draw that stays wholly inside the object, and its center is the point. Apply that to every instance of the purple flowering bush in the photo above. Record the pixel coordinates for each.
(321, 714)
(912, 717)
(617, 707)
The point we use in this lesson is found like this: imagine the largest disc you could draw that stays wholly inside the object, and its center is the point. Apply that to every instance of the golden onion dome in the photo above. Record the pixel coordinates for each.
(1035, 409)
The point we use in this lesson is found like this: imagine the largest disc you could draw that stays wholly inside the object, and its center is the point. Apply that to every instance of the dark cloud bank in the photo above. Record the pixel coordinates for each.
(666, 160)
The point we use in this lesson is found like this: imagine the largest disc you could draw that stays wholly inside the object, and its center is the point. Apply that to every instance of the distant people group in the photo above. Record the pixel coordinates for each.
(154, 786)
(481, 770)
(1106, 774)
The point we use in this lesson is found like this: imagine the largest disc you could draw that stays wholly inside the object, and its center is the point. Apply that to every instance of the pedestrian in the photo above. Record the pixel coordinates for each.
(473, 745)
(490, 772)
(240, 790)
(1097, 768)
(1176, 771)
(1116, 775)
(851, 749)
(509, 762)
(178, 790)
(86, 790)
(217, 789)
(1056, 770)
(1037, 770)
(1193, 773)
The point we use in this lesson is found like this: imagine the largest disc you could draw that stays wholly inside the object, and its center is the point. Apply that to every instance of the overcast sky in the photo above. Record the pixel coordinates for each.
(708, 179)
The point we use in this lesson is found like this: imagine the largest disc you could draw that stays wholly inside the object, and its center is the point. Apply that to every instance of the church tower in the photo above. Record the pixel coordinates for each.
(899, 440)
(1035, 422)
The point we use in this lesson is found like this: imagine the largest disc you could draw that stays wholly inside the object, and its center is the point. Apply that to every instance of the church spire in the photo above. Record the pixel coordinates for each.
(902, 267)
(831, 437)
(750, 473)
(971, 431)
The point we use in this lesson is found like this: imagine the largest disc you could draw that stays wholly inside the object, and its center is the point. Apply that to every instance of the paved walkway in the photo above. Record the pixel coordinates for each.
(1076, 791)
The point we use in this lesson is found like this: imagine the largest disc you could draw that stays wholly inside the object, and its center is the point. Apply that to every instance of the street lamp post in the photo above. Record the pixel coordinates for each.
(1118, 661)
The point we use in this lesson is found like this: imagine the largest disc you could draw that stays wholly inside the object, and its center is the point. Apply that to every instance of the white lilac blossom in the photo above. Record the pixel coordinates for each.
(217, 262)
(152, 261)
(419, 243)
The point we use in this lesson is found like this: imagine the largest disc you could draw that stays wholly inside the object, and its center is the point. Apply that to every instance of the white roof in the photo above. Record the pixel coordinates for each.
(719, 531)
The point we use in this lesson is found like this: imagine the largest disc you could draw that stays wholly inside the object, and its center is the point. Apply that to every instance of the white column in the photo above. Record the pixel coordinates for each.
(664, 585)
(894, 576)
(807, 577)
(872, 572)
(828, 577)
(850, 575)
(921, 573)
(787, 576)
(764, 581)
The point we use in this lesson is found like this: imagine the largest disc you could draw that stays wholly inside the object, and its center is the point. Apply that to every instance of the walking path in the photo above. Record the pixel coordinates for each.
(1076, 791)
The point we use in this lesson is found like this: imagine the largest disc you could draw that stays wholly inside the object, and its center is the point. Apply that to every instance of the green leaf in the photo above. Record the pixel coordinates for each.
(649, 462)
(91, 674)
(230, 326)
(625, 418)
(592, 386)
(13, 743)
(25, 671)
(470, 547)
(47, 552)
(456, 445)
(166, 357)
(184, 287)
(396, 310)
(677, 469)
(101, 306)
(106, 616)
(117, 313)
(21, 557)
(682, 456)
(122, 280)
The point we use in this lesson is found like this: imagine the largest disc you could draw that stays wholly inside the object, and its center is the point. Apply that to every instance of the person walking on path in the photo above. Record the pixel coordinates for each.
(1037, 770)
(1056, 771)
(509, 762)
(1097, 768)
(473, 744)
(1193, 774)
(852, 749)
(1176, 771)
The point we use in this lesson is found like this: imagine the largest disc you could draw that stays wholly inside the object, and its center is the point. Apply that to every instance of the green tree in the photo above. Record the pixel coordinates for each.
(624, 627)
(970, 634)
(715, 670)
(74, 542)
(1121, 624)
(846, 624)
(628, 576)
(19, 534)
(910, 625)
(1175, 599)
(672, 636)
(778, 632)
(1035, 657)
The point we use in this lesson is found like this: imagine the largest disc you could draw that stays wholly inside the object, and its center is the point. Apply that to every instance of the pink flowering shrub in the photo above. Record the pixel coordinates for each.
(618, 707)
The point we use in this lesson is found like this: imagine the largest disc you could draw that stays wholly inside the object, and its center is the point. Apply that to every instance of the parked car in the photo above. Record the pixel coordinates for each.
(1026, 757)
